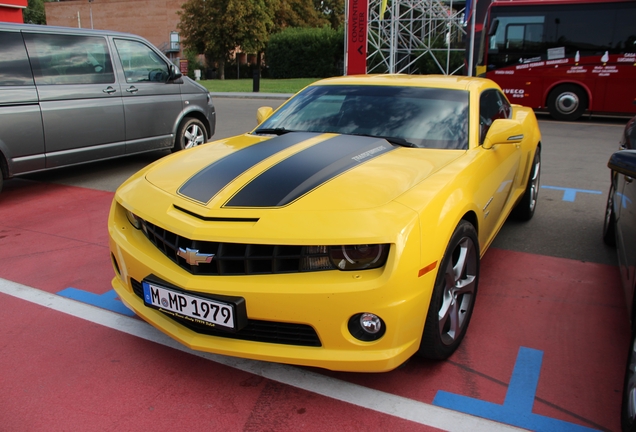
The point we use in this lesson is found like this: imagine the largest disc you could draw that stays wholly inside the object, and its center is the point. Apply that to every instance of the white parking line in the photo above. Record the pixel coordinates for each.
(379, 401)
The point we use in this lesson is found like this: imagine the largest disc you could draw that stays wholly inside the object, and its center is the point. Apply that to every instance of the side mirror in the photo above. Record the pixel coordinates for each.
(175, 73)
(493, 27)
(623, 162)
(262, 113)
(503, 131)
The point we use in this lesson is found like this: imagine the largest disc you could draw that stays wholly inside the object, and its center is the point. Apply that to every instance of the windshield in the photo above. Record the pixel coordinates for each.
(412, 116)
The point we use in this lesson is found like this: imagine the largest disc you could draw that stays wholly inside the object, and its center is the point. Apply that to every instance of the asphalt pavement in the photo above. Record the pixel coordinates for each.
(545, 350)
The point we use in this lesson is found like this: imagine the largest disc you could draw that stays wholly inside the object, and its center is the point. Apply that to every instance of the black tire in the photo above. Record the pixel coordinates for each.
(191, 134)
(524, 210)
(628, 405)
(609, 224)
(1, 175)
(453, 297)
(567, 102)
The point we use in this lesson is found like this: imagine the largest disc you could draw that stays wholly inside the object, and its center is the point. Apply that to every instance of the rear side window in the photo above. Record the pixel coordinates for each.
(140, 63)
(14, 63)
(69, 59)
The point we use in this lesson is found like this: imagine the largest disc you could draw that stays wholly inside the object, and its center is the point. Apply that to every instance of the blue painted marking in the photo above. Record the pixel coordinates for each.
(107, 300)
(517, 407)
(569, 194)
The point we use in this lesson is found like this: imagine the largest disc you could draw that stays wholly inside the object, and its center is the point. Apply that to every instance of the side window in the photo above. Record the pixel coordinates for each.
(624, 31)
(506, 108)
(69, 59)
(14, 63)
(140, 62)
(516, 39)
(586, 28)
(492, 106)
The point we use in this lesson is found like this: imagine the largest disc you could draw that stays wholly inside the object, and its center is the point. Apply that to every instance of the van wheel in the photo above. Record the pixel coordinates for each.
(567, 102)
(191, 134)
(1, 176)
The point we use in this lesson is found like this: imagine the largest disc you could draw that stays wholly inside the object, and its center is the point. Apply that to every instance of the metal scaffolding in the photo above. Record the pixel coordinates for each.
(416, 36)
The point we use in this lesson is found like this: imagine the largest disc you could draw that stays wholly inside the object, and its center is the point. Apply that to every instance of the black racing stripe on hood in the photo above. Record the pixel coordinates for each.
(205, 184)
(306, 170)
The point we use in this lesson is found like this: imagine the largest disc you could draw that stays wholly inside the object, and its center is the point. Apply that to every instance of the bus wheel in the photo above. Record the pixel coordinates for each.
(567, 102)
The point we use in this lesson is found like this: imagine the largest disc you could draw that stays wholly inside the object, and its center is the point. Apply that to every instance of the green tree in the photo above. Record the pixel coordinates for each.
(34, 12)
(306, 52)
(218, 27)
(438, 60)
(332, 10)
(299, 13)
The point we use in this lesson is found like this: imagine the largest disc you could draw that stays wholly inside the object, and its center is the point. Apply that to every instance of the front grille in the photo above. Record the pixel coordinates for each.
(256, 330)
(231, 259)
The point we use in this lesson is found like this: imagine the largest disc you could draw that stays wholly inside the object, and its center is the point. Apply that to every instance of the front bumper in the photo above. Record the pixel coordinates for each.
(323, 301)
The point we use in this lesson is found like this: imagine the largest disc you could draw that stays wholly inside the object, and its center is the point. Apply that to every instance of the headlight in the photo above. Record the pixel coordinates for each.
(359, 257)
(349, 257)
(133, 219)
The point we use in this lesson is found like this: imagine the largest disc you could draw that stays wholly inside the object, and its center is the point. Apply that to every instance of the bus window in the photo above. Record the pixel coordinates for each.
(588, 29)
(624, 40)
(523, 36)
(515, 39)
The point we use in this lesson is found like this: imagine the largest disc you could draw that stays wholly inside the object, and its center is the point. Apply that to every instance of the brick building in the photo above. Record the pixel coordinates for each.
(11, 10)
(155, 20)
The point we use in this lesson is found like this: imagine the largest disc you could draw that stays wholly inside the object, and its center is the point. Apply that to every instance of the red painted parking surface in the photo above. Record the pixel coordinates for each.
(76, 375)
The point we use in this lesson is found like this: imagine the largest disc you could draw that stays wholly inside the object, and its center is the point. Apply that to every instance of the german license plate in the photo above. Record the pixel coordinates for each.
(196, 309)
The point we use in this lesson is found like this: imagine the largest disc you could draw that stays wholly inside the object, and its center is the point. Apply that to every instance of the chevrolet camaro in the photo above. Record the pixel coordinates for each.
(344, 232)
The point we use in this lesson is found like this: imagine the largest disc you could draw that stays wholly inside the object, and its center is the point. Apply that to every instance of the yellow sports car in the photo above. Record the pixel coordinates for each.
(344, 232)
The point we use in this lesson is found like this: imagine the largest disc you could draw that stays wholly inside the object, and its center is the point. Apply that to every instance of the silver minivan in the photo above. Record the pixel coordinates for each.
(69, 96)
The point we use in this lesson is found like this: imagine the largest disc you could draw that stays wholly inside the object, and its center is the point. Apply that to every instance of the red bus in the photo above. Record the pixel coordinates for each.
(567, 56)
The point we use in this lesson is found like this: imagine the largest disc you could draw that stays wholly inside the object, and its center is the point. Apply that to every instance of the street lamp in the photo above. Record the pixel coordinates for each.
(90, 10)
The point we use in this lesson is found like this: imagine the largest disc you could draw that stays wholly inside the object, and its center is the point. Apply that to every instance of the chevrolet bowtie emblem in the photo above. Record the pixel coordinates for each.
(193, 257)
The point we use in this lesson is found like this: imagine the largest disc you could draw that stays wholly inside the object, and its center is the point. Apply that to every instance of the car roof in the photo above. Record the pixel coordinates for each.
(436, 81)
(61, 30)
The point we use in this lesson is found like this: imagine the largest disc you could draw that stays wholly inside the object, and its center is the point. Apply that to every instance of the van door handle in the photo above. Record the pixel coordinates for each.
(132, 89)
(109, 90)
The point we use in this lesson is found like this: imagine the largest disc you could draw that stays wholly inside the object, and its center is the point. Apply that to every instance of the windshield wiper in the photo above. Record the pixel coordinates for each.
(393, 140)
(273, 131)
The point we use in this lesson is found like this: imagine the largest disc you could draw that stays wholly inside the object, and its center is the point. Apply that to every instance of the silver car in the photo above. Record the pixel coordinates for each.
(69, 96)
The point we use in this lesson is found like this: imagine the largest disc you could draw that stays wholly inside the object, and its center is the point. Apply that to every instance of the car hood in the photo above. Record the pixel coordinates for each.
(303, 171)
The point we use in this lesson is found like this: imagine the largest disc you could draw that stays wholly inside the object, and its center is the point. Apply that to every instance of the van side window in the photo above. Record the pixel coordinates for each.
(14, 63)
(140, 62)
(69, 59)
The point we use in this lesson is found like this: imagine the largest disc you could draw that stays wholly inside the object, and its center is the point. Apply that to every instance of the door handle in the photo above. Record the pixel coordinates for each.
(628, 179)
(109, 90)
(132, 89)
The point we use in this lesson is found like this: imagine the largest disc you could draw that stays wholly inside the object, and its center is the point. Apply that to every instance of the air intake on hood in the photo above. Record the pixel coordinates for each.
(215, 219)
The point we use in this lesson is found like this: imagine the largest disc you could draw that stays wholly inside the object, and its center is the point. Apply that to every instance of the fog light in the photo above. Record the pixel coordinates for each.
(366, 327)
(370, 323)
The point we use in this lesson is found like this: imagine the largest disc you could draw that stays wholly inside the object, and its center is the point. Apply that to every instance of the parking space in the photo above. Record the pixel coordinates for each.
(545, 351)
